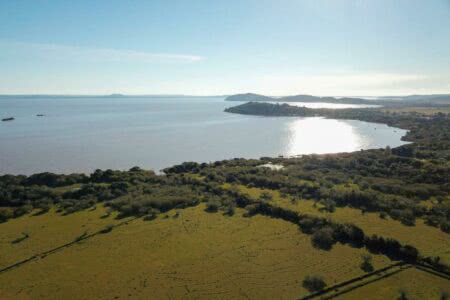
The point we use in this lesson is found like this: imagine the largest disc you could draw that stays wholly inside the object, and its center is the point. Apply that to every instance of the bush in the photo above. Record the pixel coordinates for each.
(22, 210)
(252, 209)
(403, 295)
(265, 196)
(20, 239)
(212, 205)
(6, 213)
(366, 264)
(149, 217)
(307, 225)
(230, 210)
(323, 238)
(108, 228)
(328, 205)
(445, 226)
(314, 283)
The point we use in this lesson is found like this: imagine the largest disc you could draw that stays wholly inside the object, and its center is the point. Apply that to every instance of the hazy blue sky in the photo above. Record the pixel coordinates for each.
(321, 47)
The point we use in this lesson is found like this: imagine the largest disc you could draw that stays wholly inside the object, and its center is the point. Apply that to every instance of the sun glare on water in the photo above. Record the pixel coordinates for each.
(318, 135)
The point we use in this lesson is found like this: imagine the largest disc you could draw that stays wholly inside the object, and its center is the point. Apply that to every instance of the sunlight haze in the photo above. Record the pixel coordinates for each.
(341, 48)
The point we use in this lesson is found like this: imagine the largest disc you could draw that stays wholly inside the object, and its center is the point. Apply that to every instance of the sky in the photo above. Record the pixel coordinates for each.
(212, 47)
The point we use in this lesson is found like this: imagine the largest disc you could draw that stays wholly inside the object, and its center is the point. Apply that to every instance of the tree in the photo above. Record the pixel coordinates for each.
(323, 238)
(329, 205)
(314, 283)
(403, 295)
(366, 264)
(212, 205)
(265, 196)
(6, 213)
(229, 210)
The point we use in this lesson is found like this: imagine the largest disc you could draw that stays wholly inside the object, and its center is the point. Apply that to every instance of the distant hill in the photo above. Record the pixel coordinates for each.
(249, 97)
(309, 98)
(418, 100)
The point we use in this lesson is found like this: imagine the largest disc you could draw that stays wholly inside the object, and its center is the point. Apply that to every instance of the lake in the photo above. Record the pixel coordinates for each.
(81, 134)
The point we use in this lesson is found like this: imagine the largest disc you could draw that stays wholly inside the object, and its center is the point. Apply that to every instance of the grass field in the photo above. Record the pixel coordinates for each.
(47, 231)
(429, 240)
(416, 283)
(422, 110)
(195, 255)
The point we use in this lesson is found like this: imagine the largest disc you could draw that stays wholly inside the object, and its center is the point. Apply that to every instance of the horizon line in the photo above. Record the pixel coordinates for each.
(118, 95)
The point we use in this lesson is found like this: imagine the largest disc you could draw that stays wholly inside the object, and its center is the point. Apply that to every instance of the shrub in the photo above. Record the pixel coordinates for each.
(323, 238)
(445, 226)
(252, 209)
(307, 225)
(81, 236)
(229, 210)
(314, 283)
(329, 205)
(108, 228)
(150, 214)
(366, 264)
(6, 213)
(150, 217)
(212, 205)
(403, 295)
(22, 210)
(265, 196)
(22, 238)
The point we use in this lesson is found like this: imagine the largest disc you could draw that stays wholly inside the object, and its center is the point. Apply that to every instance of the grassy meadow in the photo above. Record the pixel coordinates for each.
(190, 254)
(420, 110)
(429, 240)
(47, 231)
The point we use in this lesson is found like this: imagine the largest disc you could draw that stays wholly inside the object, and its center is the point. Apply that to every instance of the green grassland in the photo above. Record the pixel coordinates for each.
(420, 110)
(429, 240)
(193, 254)
(47, 231)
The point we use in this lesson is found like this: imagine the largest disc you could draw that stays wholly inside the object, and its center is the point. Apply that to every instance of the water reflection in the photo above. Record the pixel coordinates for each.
(319, 135)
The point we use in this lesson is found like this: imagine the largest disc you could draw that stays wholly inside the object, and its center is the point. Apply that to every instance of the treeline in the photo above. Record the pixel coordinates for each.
(134, 191)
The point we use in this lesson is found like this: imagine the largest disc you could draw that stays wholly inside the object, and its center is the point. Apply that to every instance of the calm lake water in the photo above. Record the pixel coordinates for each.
(83, 134)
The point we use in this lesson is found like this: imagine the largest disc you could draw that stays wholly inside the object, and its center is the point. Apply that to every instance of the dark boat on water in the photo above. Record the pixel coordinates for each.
(7, 119)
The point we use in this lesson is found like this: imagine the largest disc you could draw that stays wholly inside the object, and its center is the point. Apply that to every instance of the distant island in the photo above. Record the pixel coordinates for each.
(421, 100)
